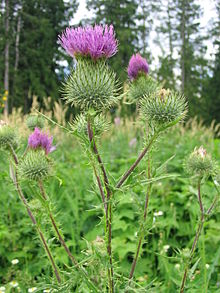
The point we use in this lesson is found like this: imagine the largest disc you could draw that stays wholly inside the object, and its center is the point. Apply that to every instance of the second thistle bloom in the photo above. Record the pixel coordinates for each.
(38, 139)
(141, 84)
(97, 42)
(137, 65)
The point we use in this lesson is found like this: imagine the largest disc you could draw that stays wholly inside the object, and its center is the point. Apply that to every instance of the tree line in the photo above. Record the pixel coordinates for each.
(31, 60)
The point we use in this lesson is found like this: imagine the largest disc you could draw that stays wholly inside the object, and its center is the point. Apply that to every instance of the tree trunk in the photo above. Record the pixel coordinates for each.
(6, 75)
(183, 46)
(17, 40)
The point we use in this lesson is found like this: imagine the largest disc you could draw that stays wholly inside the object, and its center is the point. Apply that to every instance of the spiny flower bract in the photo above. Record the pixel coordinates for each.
(95, 41)
(200, 163)
(34, 121)
(38, 139)
(35, 166)
(163, 108)
(99, 125)
(91, 85)
(136, 66)
(8, 137)
(142, 86)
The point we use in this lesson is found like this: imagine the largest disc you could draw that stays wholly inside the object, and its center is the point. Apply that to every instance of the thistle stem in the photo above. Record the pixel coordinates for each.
(142, 226)
(109, 205)
(63, 243)
(198, 232)
(135, 164)
(32, 217)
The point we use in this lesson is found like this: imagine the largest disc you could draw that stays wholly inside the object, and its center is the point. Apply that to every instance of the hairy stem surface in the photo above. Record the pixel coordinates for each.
(198, 232)
(135, 164)
(62, 241)
(108, 207)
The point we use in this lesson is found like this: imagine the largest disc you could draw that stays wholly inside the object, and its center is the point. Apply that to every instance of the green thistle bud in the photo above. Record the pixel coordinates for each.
(34, 121)
(91, 85)
(35, 166)
(143, 85)
(163, 108)
(99, 125)
(200, 163)
(7, 136)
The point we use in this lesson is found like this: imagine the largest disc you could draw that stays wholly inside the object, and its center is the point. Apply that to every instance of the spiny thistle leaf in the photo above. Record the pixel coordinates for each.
(163, 108)
(34, 121)
(143, 85)
(8, 136)
(35, 166)
(91, 85)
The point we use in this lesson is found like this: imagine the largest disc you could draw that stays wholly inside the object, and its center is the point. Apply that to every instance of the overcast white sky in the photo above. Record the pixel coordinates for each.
(208, 7)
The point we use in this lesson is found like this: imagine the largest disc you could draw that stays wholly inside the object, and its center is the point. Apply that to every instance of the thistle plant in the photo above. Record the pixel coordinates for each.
(200, 165)
(140, 82)
(93, 88)
(8, 138)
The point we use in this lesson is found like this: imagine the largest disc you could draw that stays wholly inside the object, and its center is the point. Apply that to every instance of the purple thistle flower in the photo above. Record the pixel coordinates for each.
(39, 139)
(98, 41)
(136, 65)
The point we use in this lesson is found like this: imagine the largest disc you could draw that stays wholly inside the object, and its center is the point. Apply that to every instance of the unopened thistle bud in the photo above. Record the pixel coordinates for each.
(163, 108)
(141, 84)
(92, 84)
(200, 163)
(8, 136)
(34, 121)
(35, 166)
(99, 125)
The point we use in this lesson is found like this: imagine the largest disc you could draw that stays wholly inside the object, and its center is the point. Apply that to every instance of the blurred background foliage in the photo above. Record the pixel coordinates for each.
(33, 64)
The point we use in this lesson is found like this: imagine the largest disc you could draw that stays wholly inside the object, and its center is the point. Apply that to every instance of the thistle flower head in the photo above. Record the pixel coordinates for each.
(200, 163)
(34, 121)
(35, 166)
(163, 108)
(38, 139)
(91, 85)
(8, 137)
(137, 65)
(95, 41)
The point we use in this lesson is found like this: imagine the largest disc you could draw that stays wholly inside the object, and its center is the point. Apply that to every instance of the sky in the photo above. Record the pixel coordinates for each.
(208, 7)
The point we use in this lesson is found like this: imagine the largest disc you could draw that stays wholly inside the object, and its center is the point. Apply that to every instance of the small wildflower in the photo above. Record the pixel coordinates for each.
(117, 121)
(133, 142)
(33, 289)
(97, 42)
(159, 213)
(177, 266)
(207, 266)
(137, 64)
(166, 248)
(2, 289)
(15, 261)
(39, 139)
(4, 98)
(46, 291)
(14, 284)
